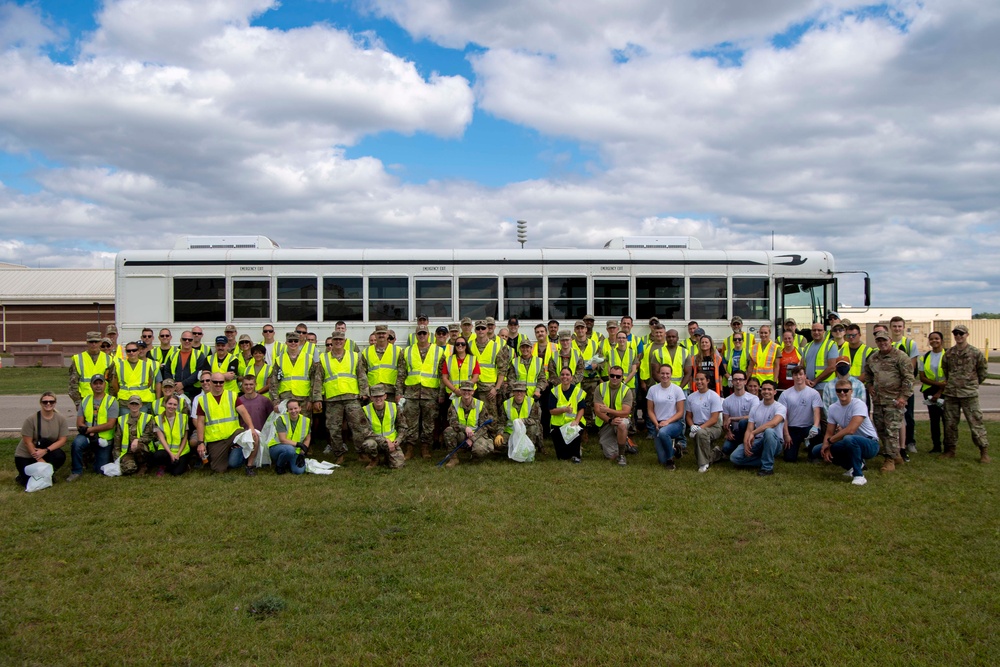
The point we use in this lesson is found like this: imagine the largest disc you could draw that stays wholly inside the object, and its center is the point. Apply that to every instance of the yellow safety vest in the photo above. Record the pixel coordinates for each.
(820, 355)
(527, 372)
(573, 400)
(386, 425)
(677, 362)
(624, 359)
(296, 432)
(221, 420)
(728, 361)
(938, 375)
(101, 417)
(86, 368)
(174, 433)
(647, 356)
(426, 372)
(587, 353)
(748, 342)
(605, 390)
(161, 356)
(548, 354)
(223, 367)
(339, 377)
(513, 412)
(260, 376)
(574, 359)
(126, 436)
(159, 405)
(277, 349)
(487, 358)
(457, 373)
(764, 365)
(858, 360)
(382, 369)
(139, 380)
(295, 374)
(468, 418)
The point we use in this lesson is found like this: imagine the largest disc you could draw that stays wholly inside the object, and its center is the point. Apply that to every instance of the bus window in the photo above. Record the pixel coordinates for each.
(709, 298)
(803, 300)
(610, 297)
(567, 298)
(388, 299)
(343, 299)
(522, 297)
(478, 298)
(751, 299)
(297, 300)
(200, 300)
(658, 297)
(432, 297)
(251, 299)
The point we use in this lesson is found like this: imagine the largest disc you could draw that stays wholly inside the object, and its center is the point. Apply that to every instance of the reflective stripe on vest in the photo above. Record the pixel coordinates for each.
(174, 434)
(574, 358)
(457, 373)
(386, 426)
(749, 340)
(137, 380)
(820, 360)
(647, 356)
(298, 432)
(527, 372)
(86, 368)
(223, 367)
(126, 436)
(487, 358)
(161, 356)
(295, 374)
(260, 376)
(424, 372)
(573, 400)
(221, 420)
(339, 377)
(605, 391)
(101, 417)
(625, 360)
(513, 413)
(934, 374)
(382, 370)
(764, 368)
(744, 364)
(468, 418)
(858, 360)
(548, 354)
(677, 362)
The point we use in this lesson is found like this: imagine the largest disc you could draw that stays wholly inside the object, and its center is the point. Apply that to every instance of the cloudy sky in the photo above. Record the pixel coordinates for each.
(871, 131)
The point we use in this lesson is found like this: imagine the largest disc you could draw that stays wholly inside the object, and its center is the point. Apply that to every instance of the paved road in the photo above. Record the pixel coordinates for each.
(14, 409)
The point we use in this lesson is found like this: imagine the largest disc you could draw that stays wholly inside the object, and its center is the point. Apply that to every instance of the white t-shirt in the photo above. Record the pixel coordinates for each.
(702, 406)
(738, 406)
(665, 400)
(761, 413)
(799, 405)
(841, 415)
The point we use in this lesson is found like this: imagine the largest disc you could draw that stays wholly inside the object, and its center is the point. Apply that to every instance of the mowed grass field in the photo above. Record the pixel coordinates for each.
(505, 564)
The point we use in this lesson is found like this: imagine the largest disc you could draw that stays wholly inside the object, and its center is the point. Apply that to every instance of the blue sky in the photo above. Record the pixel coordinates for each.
(829, 124)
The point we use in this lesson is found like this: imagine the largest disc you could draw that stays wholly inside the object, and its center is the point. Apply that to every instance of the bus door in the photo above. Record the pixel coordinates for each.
(803, 300)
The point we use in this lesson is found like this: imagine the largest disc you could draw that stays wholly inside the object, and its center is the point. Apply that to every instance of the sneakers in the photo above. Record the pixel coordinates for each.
(703, 468)
(621, 460)
(630, 448)
(850, 471)
(859, 480)
(765, 473)
(576, 459)
(888, 466)
(328, 449)
(903, 457)
(251, 471)
(912, 448)
(670, 465)
(73, 477)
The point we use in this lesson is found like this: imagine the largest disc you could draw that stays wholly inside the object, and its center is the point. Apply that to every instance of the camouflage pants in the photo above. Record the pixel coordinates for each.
(489, 403)
(378, 447)
(953, 408)
(589, 386)
(131, 461)
(888, 419)
(482, 445)
(419, 414)
(337, 412)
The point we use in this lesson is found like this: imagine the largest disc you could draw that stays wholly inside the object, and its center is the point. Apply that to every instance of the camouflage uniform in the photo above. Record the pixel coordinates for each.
(964, 371)
(532, 424)
(482, 443)
(421, 404)
(377, 447)
(483, 389)
(132, 461)
(890, 377)
(342, 407)
(110, 375)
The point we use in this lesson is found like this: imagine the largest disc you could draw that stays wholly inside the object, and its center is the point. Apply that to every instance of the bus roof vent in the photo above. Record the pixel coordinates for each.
(232, 242)
(625, 242)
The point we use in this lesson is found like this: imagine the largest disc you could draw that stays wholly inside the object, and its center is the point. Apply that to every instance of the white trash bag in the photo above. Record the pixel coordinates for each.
(569, 431)
(39, 476)
(320, 467)
(113, 469)
(520, 447)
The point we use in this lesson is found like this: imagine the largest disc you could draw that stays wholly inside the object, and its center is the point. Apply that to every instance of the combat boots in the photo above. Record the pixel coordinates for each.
(888, 466)
(425, 450)
(452, 462)
(983, 456)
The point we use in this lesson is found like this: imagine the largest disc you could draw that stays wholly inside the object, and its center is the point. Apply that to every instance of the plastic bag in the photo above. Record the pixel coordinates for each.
(40, 476)
(113, 469)
(569, 431)
(320, 467)
(520, 447)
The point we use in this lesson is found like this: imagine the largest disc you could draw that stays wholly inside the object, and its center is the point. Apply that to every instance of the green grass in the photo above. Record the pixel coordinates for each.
(33, 381)
(506, 564)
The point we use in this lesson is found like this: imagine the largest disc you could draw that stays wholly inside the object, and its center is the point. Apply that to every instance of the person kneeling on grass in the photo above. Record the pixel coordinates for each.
(613, 403)
(763, 437)
(850, 435)
(217, 423)
(171, 450)
(704, 419)
(385, 423)
(293, 433)
(466, 416)
(43, 435)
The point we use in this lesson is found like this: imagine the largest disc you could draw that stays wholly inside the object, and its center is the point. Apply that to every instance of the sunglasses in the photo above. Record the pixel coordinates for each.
(616, 376)
(461, 344)
(218, 382)
(329, 344)
(197, 333)
(268, 330)
(245, 342)
(49, 402)
(421, 333)
(187, 340)
(843, 390)
(105, 345)
(132, 351)
(957, 333)
(392, 338)
(480, 328)
(147, 335)
(164, 335)
(737, 340)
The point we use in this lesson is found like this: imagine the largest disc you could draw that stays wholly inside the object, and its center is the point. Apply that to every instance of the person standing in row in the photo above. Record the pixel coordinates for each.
(965, 369)
(338, 388)
(933, 386)
(418, 381)
(890, 377)
(897, 327)
(86, 365)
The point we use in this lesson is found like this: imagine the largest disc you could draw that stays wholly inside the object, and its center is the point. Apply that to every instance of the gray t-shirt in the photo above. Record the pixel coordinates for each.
(52, 429)
(841, 415)
(800, 404)
(92, 409)
(816, 366)
(702, 406)
(665, 400)
(739, 406)
(762, 413)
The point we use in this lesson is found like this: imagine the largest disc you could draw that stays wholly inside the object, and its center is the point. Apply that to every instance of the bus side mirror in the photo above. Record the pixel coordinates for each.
(868, 291)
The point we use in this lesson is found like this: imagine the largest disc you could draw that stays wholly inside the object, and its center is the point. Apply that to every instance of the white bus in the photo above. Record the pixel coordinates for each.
(250, 281)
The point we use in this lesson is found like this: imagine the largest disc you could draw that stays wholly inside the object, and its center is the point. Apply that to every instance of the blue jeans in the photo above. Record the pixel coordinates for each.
(851, 452)
(738, 429)
(800, 437)
(236, 458)
(664, 440)
(763, 450)
(81, 443)
(283, 456)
